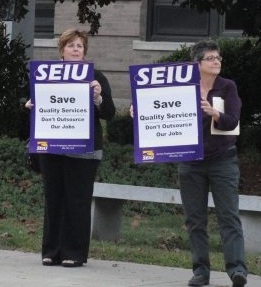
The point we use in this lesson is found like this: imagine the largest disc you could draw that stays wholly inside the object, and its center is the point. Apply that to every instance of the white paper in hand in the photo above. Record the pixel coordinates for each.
(218, 104)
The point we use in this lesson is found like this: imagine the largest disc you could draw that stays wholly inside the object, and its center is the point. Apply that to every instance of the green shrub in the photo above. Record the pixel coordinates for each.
(242, 63)
(20, 189)
(250, 139)
(21, 194)
(118, 167)
(120, 129)
(183, 54)
(14, 85)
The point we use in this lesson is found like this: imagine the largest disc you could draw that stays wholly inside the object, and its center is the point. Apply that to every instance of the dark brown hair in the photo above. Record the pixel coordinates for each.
(199, 49)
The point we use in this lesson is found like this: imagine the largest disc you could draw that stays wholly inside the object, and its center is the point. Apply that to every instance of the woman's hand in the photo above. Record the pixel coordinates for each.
(131, 110)
(209, 110)
(28, 105)
(97, 98)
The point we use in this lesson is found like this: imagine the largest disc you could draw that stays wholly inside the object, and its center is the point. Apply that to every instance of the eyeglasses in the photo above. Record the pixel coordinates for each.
(212, 58)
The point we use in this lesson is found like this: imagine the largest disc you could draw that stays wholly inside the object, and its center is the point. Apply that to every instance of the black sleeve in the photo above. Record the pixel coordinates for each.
(106, 109)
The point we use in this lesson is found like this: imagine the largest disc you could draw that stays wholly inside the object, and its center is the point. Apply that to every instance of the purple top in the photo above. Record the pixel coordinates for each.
(216, 145)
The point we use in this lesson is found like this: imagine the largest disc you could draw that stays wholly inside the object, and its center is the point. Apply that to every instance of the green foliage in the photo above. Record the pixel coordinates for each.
(120, 129)
(14, 85)
(23, 235)
(118, 167)
(180, 55)
(242, 63)
(250, 140)
(20, 189)
(21, 193)
(19, 10)
(14, 79)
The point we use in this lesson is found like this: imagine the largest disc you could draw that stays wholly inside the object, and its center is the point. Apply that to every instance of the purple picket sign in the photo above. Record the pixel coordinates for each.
(166, 112)
(62, 112)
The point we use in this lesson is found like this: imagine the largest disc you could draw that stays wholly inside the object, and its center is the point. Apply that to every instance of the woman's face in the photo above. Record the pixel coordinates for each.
(211, 63)
(74, 50)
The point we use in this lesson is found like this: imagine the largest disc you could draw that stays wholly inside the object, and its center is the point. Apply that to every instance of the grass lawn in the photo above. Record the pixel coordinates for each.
(157, 238)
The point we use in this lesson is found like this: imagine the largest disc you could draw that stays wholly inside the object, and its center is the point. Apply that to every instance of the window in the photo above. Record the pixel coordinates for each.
(233, 19)
(44, 19)
(168, 22)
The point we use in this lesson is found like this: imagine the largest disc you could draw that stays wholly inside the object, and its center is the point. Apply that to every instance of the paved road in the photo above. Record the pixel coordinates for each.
(19, 269)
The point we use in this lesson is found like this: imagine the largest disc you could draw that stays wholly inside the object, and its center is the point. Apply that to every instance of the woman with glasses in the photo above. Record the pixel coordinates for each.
(218, 173)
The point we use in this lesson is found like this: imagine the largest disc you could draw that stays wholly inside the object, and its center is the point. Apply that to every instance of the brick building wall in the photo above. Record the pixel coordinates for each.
(113, 49)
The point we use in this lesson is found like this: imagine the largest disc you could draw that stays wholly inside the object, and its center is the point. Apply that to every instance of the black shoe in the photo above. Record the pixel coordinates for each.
(71, 263)
(239, 279)
(199, 280)
(49, 262)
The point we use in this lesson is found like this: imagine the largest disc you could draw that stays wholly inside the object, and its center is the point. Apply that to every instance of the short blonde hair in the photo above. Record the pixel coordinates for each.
(69, 35)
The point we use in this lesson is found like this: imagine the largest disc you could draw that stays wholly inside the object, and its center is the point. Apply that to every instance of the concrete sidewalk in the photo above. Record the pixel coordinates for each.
(19, 269)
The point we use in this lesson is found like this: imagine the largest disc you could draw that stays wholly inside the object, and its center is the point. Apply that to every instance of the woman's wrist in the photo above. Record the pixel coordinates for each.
(98, 100)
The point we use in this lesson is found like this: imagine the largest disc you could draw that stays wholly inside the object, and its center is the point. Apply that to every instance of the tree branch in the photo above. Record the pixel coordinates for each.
(87, 12)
